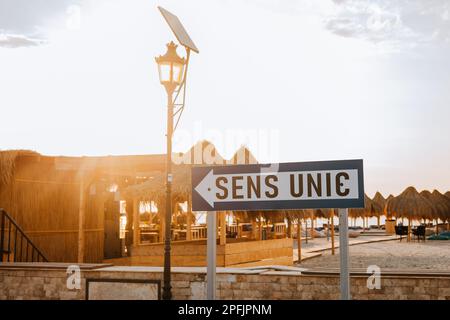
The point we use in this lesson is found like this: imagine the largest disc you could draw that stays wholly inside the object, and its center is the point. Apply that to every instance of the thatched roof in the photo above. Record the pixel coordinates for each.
(268, 215)
(154, 188)
(440, 203)
(371, 208)
(203, 152)
(8, 162)
(243, 156)
(411, 204)
(379, 199)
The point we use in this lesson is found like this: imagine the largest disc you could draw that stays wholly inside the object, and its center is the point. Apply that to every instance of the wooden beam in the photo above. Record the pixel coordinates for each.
(409, 229)
(162, 224)
(81, 221)
(136, 222)
(260, 226)
(223, 227)
(332, 232)
(188, 221)
(299, 240)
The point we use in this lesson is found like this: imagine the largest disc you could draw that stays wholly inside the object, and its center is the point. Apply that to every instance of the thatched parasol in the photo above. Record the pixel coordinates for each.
(380, 200)
(410, 204)
(371, 208)
(273, 216)
(243, 156)
(440, 203)
(203, 152)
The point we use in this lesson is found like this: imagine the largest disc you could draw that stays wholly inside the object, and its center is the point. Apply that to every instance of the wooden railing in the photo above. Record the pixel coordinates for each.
(15, 245)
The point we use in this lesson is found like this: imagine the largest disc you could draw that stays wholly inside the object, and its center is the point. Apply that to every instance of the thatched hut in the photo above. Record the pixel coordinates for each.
(66, 205)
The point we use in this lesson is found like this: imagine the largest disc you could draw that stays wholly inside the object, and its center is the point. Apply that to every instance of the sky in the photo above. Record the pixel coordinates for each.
(292, 80)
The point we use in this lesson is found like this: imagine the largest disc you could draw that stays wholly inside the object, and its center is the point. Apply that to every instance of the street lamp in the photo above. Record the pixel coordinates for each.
(171, 70)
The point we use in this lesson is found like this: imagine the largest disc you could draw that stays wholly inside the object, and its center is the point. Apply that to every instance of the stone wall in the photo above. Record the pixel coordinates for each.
(189, 283)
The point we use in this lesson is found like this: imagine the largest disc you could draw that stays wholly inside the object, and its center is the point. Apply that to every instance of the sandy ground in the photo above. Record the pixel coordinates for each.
(431, 255)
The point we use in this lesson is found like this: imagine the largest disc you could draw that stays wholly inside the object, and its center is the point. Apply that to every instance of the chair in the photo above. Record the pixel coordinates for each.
(401, 231)
(419, 232)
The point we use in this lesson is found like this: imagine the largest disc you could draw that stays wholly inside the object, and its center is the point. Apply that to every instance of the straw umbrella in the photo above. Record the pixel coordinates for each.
(296, 216)
(329, 215)
(410, 204)
(371, 208)
(243, 156)
(381, 202)
(440, 203)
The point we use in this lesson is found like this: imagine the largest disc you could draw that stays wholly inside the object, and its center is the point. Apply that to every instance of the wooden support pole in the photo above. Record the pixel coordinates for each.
(136, 221)
(289, 229)
(299, 240)
(189, 224)
(378, 222)
(81, 219)
(306, 231)
(312, 228)
(328, 229)
(150, 214)
(162, 226)
(260, 226)
(409, 230)
(254, 233)
(332, 232)
(223, 228)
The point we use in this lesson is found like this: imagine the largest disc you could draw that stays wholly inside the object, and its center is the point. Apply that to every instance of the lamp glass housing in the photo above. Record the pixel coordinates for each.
(170, 66)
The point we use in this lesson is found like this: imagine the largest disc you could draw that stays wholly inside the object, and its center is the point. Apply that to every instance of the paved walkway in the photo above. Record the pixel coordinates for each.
(315, 247)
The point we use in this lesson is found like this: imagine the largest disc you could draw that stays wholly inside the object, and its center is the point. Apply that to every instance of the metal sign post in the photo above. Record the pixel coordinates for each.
(211, 255)
(343, 254)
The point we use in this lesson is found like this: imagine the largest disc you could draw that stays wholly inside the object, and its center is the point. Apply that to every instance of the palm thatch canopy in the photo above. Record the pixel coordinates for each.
(322, 213)
(203, 152)
(243, 155)
(154, 187)
(440, 202)
(297, 215)
(379, 199)
(8, 163)
(371, 208)
(268, 215)
(411, 204)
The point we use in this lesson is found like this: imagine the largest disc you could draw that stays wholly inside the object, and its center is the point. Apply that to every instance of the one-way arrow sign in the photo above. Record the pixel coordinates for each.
(299, 185)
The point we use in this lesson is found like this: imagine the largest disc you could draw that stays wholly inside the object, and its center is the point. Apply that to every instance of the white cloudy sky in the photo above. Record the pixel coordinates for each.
(293, 80)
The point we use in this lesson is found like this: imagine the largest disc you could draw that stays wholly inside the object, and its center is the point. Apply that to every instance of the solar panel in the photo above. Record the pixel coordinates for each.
(178, 29)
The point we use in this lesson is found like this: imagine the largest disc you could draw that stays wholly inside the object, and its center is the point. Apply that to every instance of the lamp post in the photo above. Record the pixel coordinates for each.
(171, 69)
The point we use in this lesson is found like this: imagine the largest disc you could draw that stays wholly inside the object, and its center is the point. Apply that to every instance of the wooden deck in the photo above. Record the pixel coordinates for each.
(193, 253)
